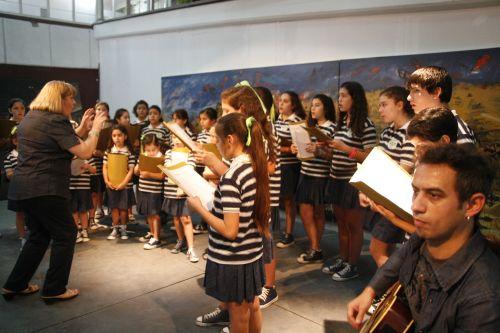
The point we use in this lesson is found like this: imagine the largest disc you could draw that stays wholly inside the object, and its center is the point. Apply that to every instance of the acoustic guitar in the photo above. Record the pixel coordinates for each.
(392, 315)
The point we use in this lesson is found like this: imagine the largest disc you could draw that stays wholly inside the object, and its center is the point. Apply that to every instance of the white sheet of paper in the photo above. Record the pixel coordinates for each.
(301, 139)
(191, 183)
(182, 135)
(76, 166)
(384, 181)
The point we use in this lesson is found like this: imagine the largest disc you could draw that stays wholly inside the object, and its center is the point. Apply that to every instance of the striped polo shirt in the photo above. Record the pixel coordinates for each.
(465, 133)
(275, 178)
(282, 127)
(172, 157)
(393, 142)
(318, 167)
(80, 182)
(97, 163)
(342, 166)
(10, 162)
(125, 151)
(161, 132)
(236, 194)
(150, 185)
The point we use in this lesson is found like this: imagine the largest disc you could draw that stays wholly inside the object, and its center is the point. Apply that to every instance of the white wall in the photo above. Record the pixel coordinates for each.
(24, 43)
(135, 53)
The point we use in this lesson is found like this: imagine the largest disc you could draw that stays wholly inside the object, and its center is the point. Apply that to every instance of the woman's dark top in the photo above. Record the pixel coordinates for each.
(44, 160)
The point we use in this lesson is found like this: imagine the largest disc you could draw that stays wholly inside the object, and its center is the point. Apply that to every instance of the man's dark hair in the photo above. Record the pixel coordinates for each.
(432, 123)
(475, 172)
(430, 78)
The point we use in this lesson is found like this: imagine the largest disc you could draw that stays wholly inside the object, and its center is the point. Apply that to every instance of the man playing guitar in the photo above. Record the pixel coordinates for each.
(449, 275)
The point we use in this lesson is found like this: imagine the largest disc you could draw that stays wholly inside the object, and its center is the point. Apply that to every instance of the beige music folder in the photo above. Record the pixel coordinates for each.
(117, 168)
(182, 135)
(317, 133)
(194, 185)
(212, 147)
(149, 164)
(385, 182)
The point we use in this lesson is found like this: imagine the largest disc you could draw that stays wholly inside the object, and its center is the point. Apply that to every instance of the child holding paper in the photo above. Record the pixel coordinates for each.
(120, 198)
(149, 193)
(355, 136)
(234, 271)
(396, 111)
(181, 118)
(313, 176)
(10, 164)
(174, 202)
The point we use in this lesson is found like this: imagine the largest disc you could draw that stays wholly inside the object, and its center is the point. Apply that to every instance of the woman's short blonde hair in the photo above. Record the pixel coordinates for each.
(51, 96)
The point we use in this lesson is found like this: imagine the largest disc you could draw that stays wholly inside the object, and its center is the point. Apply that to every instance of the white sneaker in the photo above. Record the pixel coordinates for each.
(192, 256)
(79, 237)
(113, 234)
(85, 235)
(152, 244)
(146, 238)
(98, 214)
(224, 330)
(123, 233)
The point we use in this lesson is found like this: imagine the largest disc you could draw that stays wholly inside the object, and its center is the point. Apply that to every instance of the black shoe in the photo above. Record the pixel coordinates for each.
(310, 257)
(285, 241)
(349, 272)
(337, 265)
(216, 317)
(267, 297)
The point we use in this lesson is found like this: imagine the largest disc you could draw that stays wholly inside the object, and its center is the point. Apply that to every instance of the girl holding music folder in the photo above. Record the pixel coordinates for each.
(120, 197)
(156, 127)
(396, 111)
(290, 111)
(174, 202)
(355, 136)
(313, 173)
(234, 271)
(149, 197)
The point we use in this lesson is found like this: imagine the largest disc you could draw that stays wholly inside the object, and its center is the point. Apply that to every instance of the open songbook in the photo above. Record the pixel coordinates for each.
(301, 139)
(385, 182)
(316, 132)
(182, 135)
(194, 185)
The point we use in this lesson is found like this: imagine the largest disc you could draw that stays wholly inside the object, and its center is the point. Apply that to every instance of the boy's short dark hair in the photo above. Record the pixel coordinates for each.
(475, 172)
(430, 78)
(432, 123)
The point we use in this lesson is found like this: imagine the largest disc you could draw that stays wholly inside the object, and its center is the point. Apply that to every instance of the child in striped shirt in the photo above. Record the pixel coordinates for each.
(120, 196)
(156, 127)
(234, 271)
(355, 136)
(81, 197)
(174, 202)
(313, 176)
(181, 118)
(9, 165)
(149, 193)
(290, 110)
(396, 111)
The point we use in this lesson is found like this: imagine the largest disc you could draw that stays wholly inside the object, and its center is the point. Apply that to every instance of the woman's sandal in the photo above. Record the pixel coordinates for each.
(69, 294)
(9, 294)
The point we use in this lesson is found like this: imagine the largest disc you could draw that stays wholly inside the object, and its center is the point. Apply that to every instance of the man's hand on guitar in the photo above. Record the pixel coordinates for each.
(357, 308)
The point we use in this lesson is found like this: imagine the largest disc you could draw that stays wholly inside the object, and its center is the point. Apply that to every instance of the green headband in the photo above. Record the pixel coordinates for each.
(13, 130)
(245, 83)
(249, 121)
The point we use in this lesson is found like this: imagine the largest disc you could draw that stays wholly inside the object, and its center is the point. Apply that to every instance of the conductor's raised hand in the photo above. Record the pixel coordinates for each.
(99, 120)
(87, 118)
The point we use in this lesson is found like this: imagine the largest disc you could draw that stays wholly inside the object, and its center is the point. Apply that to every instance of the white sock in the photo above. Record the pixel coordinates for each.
(123, 226)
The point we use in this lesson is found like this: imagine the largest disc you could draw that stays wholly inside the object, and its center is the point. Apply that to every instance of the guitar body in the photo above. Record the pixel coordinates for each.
(392, 315)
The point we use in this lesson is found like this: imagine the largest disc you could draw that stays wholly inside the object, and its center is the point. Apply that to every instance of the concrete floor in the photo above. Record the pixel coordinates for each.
(127, 289)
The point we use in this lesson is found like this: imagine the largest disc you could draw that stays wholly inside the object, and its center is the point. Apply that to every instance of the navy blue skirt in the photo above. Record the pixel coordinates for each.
(123, 199)
(234, 283)
(175, 207)
(149, 203)
(81, 201)
(97, 184)
(311, 190)
(384, 230)
(339, 192)
(13, 205)
(289, 179)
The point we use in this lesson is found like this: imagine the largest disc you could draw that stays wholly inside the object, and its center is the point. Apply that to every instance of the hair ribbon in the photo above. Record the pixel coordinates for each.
(245, 83)
(249, 121)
